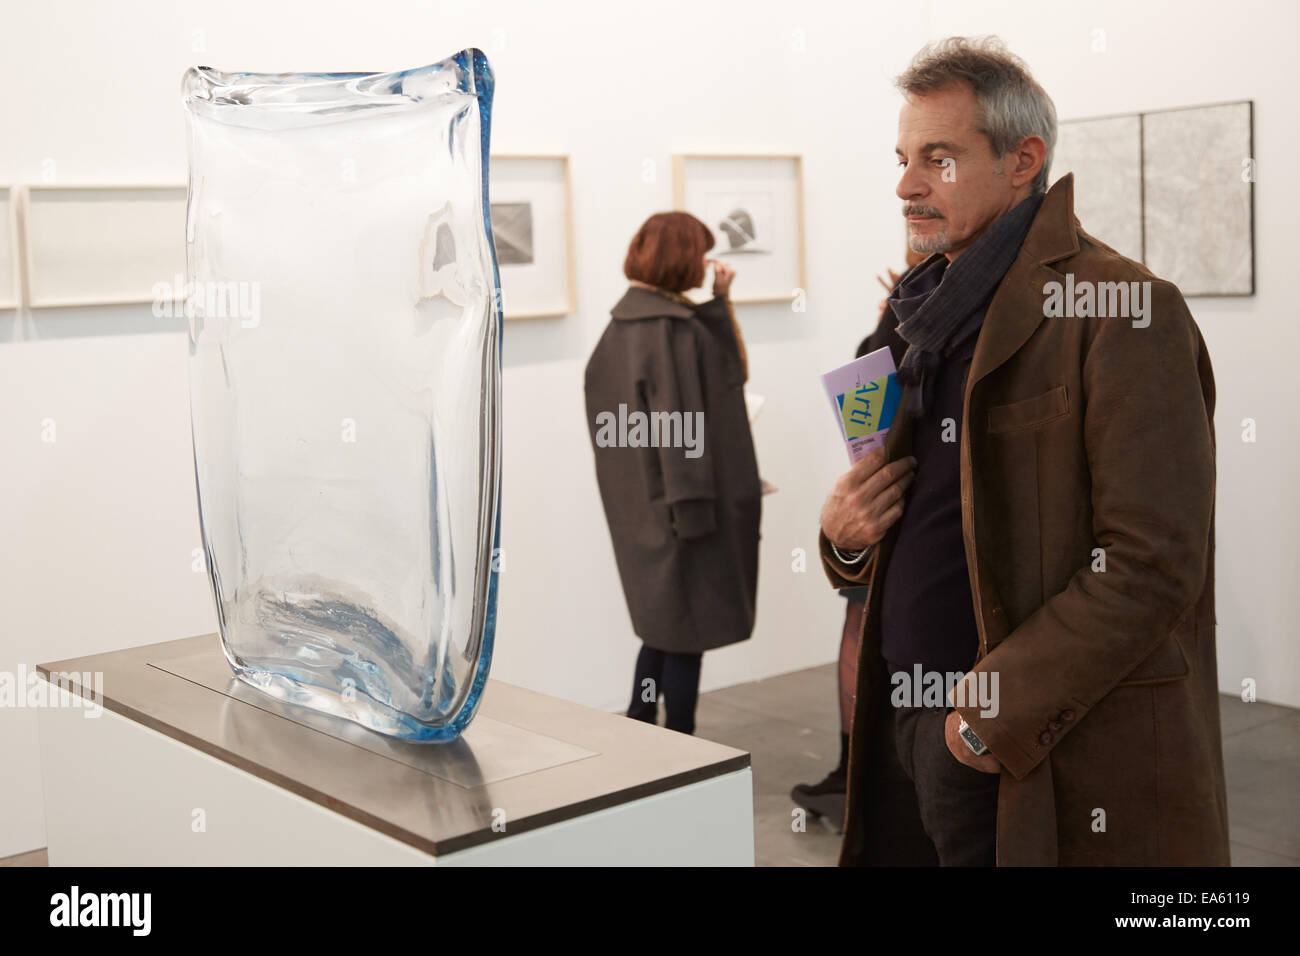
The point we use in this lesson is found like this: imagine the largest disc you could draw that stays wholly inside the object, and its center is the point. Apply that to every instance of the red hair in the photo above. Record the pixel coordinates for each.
(668, 251)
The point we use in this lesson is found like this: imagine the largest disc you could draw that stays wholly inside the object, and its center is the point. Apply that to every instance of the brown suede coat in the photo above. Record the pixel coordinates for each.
(1079, 434)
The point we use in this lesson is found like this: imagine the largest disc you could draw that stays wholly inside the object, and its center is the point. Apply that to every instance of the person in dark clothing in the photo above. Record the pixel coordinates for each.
(927, 619)
(1085, 688)
(825, 799)
(675, 463)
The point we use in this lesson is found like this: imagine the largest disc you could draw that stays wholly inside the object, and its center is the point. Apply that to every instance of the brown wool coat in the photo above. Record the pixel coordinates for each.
(1079, 433)
(684, 529)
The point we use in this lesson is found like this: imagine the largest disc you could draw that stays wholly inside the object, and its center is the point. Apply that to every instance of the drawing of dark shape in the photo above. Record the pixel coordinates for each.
(512, 231)
(444, 250)
(738, 227)
(440, 274)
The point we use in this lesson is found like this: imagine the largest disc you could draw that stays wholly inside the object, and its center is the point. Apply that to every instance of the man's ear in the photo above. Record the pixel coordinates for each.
(1030, 154)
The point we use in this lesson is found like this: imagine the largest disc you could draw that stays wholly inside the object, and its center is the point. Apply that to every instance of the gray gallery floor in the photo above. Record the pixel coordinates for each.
(790, 726)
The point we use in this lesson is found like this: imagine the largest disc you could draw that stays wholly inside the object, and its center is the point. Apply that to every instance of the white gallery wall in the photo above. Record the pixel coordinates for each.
(99, 526)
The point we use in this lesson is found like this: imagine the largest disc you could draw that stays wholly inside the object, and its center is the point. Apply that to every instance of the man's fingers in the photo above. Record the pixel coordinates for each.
(885, 522)
(886, 476)
(866, 466)
(891, 495)
(868, 498)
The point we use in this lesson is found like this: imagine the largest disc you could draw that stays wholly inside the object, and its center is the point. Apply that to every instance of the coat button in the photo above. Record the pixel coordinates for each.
(1053, 725)
(1045, 738)
(1067, 715)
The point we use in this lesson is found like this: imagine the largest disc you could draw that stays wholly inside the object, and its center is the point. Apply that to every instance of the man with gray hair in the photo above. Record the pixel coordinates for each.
(1037, 682)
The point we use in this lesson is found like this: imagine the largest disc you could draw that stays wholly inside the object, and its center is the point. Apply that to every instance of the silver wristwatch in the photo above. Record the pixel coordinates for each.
(972, 739)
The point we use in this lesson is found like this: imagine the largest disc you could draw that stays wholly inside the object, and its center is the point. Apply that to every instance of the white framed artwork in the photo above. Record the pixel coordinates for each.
(532, 229)
(753, 204)
(102, 245)
(9, 283)
(1199, 199)
(1172, 189)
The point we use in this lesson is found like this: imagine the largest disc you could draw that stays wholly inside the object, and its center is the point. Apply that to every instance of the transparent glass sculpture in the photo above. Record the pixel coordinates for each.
(345, 354)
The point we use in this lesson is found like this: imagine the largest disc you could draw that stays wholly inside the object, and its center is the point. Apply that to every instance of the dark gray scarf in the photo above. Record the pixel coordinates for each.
(940, 305)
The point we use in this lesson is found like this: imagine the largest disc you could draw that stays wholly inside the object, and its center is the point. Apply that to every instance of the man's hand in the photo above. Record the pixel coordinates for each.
(866, 501)
(984, 763)
(722, 276)
(889, 287)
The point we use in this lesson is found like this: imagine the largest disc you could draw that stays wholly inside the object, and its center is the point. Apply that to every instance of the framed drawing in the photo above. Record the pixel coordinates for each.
(100, 245)
(9, 284)
(532, 228)
(754, 206)
(1173, 189)
(1198, 209)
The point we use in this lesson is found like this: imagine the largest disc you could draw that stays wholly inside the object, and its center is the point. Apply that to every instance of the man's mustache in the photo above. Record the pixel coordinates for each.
(921, 211)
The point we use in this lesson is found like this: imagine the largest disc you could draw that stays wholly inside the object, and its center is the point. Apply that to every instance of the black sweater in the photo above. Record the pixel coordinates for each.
(927, 615)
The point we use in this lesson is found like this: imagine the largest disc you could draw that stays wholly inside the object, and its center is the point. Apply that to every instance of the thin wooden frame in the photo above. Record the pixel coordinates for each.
(11, 195)
(571, 277)
(31, 268)
(679, 202)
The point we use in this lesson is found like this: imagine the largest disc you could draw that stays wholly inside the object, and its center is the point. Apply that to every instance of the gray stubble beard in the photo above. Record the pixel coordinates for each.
(929, 245)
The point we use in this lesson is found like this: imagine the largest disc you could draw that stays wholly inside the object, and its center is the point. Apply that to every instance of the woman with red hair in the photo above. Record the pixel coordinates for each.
(675, 462)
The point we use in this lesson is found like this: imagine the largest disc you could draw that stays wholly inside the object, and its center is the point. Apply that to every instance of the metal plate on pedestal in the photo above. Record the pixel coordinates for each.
(489, 751)
(537, 759)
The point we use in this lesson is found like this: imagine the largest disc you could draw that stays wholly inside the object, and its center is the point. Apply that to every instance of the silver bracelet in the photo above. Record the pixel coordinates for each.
(840, 556)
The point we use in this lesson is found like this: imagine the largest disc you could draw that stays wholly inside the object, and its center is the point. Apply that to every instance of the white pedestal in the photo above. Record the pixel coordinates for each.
(172, 772)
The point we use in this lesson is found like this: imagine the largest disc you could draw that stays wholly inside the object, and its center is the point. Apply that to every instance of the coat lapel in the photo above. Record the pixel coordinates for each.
(1017, 306)
(1028, 805)
(1013, 316)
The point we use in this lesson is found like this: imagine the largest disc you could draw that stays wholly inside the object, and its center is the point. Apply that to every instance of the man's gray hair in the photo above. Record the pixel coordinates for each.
(1012, 104)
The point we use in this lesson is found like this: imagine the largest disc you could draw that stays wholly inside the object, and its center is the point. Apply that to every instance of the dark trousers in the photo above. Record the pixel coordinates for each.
(958, 804)
(676, 678)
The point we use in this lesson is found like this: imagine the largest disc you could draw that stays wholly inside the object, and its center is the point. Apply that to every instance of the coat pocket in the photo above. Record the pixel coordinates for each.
(1168, 662)
(1030, 413)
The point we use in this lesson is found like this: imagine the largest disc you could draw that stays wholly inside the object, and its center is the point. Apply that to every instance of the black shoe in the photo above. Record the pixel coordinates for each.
(824, 800)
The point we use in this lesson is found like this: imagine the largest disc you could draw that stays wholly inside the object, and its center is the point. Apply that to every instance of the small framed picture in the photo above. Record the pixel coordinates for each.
(100, 245)
(754, 206)
(532, 228)
(9, 284)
